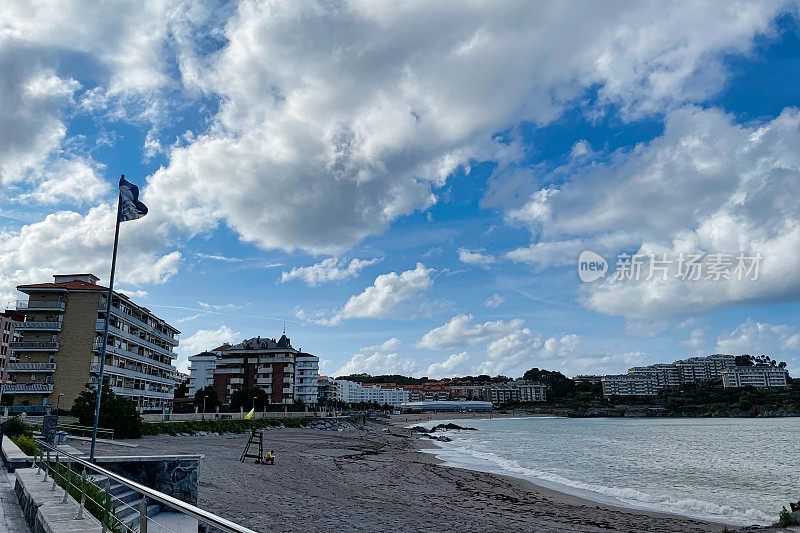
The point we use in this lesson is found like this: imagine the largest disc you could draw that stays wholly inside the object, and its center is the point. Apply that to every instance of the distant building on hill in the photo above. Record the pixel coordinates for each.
(352, 392)
(589, 379)
(447, 406)
(499, 393)
(759, 376)
(648, 380)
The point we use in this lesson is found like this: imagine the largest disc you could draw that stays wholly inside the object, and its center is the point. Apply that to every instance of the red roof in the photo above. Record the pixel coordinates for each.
(68, 285)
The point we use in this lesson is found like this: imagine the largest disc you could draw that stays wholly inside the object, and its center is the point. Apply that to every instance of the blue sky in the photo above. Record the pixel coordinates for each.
(408, 189)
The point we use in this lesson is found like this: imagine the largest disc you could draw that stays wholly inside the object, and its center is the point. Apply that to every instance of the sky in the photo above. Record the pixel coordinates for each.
(407, 188)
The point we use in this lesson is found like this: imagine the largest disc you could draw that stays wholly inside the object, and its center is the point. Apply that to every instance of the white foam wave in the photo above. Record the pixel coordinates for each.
(454, 455)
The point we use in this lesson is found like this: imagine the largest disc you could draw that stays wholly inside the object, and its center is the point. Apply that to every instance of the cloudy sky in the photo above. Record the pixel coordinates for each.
(408, 187)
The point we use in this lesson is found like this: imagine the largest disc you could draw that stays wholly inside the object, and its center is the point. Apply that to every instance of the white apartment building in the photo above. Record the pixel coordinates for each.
(760, 376)
(630, 385)
(201, 371)
(666, 376)
(352, 392)
(306, 376)
(709, 368)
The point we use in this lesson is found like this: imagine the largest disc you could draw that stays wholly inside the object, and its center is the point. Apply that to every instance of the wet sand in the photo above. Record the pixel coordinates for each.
(378, 480)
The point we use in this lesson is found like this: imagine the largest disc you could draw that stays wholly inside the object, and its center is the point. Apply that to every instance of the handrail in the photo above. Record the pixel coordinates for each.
(201, 515)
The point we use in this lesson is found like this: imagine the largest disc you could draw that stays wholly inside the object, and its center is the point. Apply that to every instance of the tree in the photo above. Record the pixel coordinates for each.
(210, 395)
(249, 397)
(559, 386)
(181, 390)
(116, 413)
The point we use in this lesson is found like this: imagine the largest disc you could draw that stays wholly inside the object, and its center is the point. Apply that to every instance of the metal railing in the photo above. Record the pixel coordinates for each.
(31, 367)
(38, 324)
(98, 500)
(26, 304)
(34, 345)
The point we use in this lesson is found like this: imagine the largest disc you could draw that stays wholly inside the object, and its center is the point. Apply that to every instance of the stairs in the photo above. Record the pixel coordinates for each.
(126, 503)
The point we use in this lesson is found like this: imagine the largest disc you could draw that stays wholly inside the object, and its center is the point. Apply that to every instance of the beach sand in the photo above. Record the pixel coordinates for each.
(378, 480)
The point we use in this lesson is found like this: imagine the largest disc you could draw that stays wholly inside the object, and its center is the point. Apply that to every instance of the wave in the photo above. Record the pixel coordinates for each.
(454, 455)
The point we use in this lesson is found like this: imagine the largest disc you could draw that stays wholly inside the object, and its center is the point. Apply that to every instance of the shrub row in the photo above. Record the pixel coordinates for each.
(219, 426)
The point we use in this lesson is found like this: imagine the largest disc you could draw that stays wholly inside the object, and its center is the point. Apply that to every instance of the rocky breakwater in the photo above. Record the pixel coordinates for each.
(429, 433)
(333, 424)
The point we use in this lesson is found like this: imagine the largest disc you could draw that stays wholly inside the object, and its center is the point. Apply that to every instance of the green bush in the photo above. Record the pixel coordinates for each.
(219, 426)
(116, 413)
(16, 427)
(26, 444)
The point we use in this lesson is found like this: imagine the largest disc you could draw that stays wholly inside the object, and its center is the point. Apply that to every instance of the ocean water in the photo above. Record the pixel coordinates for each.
(735, 471)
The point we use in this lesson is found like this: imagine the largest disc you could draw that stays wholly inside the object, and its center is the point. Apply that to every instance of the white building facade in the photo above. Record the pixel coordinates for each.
(306, 376)
(629, 385)
(201, 371)
(760, 376)
(352, 392)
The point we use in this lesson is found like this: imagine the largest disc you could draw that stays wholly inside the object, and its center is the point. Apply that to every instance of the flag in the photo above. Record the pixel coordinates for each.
(130, 207)
(251, 414)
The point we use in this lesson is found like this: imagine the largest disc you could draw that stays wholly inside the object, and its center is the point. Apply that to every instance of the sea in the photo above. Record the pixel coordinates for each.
(737, 471)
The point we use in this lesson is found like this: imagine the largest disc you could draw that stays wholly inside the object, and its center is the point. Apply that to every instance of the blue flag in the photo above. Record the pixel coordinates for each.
(130, 207)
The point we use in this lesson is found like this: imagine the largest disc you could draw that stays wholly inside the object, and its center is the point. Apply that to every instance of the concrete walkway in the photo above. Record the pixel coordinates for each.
(11, 520)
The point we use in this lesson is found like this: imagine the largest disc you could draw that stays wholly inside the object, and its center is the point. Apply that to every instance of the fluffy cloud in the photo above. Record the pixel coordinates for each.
(379, 299)
(203, 340)
(460, 331)
(517, 352)
(475, 257)
(757, 338)
(330, 269)
(380, 359)
(317, 149)
(454, 365)
(706, 185)
(67, 241)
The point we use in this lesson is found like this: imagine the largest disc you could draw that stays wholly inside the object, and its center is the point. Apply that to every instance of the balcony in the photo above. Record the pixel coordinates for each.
(31, 367)
(37, 325)
(34, 346)
(27, 388)
(140, 392)
(132, 337)
(94, 368)
(136, 322)
(23, 305)
(98, 347)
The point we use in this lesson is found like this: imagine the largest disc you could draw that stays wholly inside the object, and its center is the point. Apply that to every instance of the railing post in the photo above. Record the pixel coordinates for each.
(143, 516)
(46, 466)
(107, 506)
(53, 474)
(83, 495)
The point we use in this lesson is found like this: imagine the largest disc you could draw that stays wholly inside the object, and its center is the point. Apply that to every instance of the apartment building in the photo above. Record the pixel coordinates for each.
(759, 376)
(201, 371)
(666, 376)
(284, 373)
(352, 392)
(630, 385)
(8, 335)
(306, 378)
(703, 369)
(60, 343)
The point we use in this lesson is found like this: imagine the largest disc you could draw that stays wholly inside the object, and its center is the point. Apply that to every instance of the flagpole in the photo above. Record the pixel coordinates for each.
(105, 329)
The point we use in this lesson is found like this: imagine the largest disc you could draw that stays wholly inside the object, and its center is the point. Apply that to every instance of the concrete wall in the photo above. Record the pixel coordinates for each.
(75, 355)
(174, 475)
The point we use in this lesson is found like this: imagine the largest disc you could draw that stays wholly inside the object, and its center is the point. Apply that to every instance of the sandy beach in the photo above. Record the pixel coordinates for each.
(377, 479)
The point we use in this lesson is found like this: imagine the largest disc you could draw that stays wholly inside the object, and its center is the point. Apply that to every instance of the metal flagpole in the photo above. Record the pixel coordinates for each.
(105, 329)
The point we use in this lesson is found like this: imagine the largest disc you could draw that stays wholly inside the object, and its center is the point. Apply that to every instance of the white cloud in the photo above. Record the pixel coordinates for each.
(494, 301)
(521, 350)
(69, 179)
(460, 331)
(377, 360)
(330, 269)
(67, 241)
(203, 340)
(454, 365)
(475, 257)
(379, 299)
(340, 145)
(707, 184)
(757, 338)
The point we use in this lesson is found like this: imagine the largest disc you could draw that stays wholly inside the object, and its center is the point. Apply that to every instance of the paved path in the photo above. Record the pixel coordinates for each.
(11, 520)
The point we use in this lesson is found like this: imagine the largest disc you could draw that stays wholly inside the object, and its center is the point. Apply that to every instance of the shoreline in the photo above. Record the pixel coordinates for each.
(567, 493)
(381, 479)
